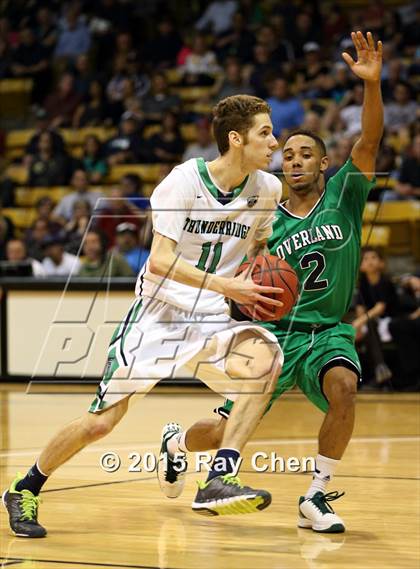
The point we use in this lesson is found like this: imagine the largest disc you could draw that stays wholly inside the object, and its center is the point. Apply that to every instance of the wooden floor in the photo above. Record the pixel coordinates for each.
(121, 520)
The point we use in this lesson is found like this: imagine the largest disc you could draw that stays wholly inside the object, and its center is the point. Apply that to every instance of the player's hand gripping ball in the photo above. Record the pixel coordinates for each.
(269, 270)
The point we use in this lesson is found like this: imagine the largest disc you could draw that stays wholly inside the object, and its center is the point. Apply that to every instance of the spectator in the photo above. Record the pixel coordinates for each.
(127, 245)
(48, 168)
(57, 262)
(138, 75)
(410, 35)
(408, 183)
(7, 231)
(286, 111)
(232, 82)
(351, 115)
(93, 110)
(62, 103)
(280, 50)
(405, 331)
(100, 263)
(402, 111)
(5, 59)
(315, 79)
(342, 82)
(16, 252)
(217, 17)
(115, 86)
(162, 49)
(263, 70)
(80, 183)
(305, 31)
(128, 145)
(159, 99)
(35, 237)
(44, 208)
(237, 41)
(338, 155)
(117, 210)
(335, 23)
(200, 67)
(58, 146)
(390, 79)
(83, 74)
(74, 37)
(377, 302)
(46, 29)
(124, 46)
(131, 186)
(76, 228)
(30, 59)
(130, 101)
(167, 145)
(204, 146)
(93, 160)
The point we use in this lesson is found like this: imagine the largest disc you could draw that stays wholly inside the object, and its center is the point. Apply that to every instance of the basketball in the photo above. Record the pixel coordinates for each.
(269, 270)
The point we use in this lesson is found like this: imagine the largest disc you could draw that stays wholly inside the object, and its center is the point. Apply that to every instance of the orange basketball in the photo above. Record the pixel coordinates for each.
(269, 270)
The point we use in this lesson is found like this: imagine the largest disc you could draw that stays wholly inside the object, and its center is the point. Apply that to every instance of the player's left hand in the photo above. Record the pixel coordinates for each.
(369, 60)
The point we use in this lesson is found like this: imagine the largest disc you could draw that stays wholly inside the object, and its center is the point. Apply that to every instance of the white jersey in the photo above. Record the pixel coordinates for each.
(210, 235)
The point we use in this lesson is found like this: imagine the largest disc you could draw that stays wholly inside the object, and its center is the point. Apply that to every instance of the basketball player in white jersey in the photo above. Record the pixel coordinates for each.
(206, 218)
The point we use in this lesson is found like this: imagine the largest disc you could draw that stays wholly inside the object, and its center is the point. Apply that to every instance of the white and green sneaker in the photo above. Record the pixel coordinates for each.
(224, 495)
(316, 513)
(171, 470)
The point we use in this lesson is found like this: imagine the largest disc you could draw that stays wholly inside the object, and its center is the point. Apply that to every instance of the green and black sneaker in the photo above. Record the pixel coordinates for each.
(23, 511)
(316, 513)
(225, 495)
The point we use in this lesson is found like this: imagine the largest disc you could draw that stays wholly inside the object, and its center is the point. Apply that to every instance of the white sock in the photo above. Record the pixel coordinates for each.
(177, 443)
(324, 471)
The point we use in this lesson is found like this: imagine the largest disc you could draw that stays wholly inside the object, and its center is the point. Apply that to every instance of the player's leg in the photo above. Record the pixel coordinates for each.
(331, 384)
(207, 434)
(21, 499)
(257, 365)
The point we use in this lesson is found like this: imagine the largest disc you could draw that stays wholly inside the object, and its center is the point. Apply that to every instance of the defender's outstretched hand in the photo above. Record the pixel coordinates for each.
(369, 60)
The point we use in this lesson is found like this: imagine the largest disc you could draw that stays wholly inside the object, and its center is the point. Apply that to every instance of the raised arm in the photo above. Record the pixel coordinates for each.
(368, 67)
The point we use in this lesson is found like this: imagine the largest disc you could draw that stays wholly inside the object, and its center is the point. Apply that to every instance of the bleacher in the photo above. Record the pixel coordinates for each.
(392, 226)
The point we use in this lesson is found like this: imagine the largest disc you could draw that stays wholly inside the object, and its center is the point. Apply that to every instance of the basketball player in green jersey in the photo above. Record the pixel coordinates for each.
(318, 232)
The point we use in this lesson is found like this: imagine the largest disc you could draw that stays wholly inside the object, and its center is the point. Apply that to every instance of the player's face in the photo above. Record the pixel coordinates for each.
(302, 163)
(260, 143)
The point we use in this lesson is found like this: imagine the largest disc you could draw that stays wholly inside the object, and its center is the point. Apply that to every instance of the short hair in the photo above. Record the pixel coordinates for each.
(235, 113)
(371, 249)
(135, 180)
(318, 140)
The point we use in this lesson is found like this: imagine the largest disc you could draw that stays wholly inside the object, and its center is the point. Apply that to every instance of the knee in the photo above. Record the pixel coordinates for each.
(97, 426)
(341, 392)
(261, 365)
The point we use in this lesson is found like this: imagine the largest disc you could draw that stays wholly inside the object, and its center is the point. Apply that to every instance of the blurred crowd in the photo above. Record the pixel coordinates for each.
(123, 63)
(387, 324)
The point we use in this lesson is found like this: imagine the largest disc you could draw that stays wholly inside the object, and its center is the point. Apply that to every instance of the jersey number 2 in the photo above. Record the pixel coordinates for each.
(205, 252)
(312, 282)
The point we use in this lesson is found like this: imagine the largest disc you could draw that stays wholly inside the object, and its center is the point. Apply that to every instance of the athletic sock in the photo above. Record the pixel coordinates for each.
(177, 444)
(324, 471)
(224, 462)
(33, 481)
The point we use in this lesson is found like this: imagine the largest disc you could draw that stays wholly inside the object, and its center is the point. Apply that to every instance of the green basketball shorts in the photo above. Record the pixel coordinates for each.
(307, 358)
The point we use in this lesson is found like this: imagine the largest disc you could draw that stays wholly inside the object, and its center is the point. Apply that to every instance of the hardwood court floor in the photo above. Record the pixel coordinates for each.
(121, 520)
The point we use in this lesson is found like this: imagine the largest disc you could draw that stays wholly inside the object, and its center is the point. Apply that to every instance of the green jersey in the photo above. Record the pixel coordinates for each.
(324, 248)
